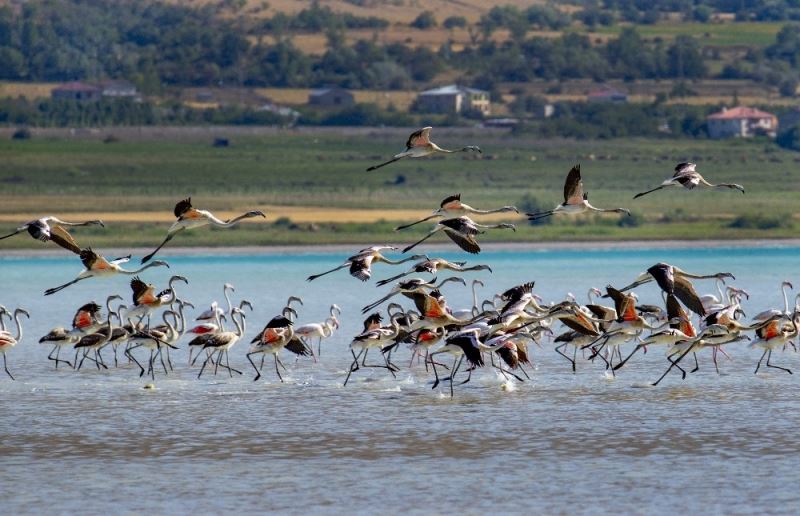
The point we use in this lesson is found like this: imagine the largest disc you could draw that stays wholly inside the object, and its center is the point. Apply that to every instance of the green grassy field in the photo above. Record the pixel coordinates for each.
(327, 170)
(750, 34)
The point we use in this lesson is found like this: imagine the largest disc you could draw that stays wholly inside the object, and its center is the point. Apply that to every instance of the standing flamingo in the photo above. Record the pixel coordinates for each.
(7, 341)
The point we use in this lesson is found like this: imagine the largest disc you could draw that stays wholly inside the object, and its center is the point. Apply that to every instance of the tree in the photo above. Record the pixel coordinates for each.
(684, 59)
(453, 22)
(425, 20)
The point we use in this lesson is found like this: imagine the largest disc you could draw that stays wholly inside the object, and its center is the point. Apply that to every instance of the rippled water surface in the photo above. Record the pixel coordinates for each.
(96, 441)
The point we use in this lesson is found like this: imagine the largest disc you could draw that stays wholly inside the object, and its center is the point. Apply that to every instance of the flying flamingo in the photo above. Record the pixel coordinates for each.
(361, 264)
(7, 341)
(41, 229)
(686, 176)
(409, 287)
(419, 145)
(673, 280)
(190, 217)
(432, 266)
(98, 266)
(452, 207)
(462, 231)
(575, 199)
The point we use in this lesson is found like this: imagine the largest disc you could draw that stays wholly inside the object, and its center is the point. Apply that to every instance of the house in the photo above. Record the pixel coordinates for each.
(332, 96)
(606, 93)
(454, 99)
(76, 91)
(741, 122)
(118, 89)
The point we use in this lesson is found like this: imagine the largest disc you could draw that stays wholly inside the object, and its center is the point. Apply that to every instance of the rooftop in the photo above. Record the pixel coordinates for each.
(740, 112)
(452, 89)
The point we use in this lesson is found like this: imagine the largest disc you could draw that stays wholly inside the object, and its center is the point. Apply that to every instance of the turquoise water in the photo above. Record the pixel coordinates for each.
(95, 441)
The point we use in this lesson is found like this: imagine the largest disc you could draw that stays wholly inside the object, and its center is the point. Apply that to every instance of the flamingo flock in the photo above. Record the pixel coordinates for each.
(502, 332)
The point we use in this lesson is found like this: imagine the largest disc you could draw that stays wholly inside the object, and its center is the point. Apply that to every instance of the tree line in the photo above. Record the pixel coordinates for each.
(156, 44)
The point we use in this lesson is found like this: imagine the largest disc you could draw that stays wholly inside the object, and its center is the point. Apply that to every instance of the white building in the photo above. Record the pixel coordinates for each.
(741, 122)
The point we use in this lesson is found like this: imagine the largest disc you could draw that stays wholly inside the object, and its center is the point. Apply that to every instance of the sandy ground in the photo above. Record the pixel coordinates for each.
(349, 249)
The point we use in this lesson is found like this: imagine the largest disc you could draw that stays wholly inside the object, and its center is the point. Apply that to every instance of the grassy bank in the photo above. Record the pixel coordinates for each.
(320, 179)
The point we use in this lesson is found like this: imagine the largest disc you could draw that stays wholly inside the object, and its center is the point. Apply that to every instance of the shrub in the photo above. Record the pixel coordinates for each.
(425, 20)
(530, 204)
(761, 221)
(21, 134)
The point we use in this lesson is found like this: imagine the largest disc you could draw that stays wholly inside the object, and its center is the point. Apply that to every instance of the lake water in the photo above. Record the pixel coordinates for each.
(96, 441)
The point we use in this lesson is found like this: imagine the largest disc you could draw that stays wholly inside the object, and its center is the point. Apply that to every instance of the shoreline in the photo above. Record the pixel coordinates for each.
(350, 249)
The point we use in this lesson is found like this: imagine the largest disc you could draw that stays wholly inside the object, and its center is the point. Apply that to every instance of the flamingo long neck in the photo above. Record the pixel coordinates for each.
(182, 320)
(228, 299)
(226, 223)
(137, 271)
(19, 326)
(785, 299)
(719, 289)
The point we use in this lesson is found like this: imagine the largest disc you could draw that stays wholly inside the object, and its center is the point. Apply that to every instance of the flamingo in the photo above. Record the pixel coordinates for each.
(49, 229)
(7, 341)
(377, 338)
(460, 346)
(321, 330)
(84, 321)
(452, 207)
(361, 264)
(419, 145)
(98, 266)
(671, 279)
(278, 334)
(151, 339)
(409, 287)
(575, 199)
(432, 266)
(462, 231)
(222, 342)
(95, 341)
(775, 335)
(686, 176)
(190, 217)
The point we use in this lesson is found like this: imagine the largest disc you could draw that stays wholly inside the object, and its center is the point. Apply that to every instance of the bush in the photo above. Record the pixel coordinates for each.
(632, 221)
(454, 21)
(425, 20)
(760, 221)
(790, 139)
(21, 134)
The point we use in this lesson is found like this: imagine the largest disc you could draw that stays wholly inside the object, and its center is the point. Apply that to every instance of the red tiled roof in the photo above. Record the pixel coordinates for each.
(740, 112)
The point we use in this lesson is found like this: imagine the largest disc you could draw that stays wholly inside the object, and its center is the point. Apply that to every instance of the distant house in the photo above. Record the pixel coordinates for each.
(77, 91)
(454, 99)
(331, 97)
(118, 89)
(607, 94)
(741, 122)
